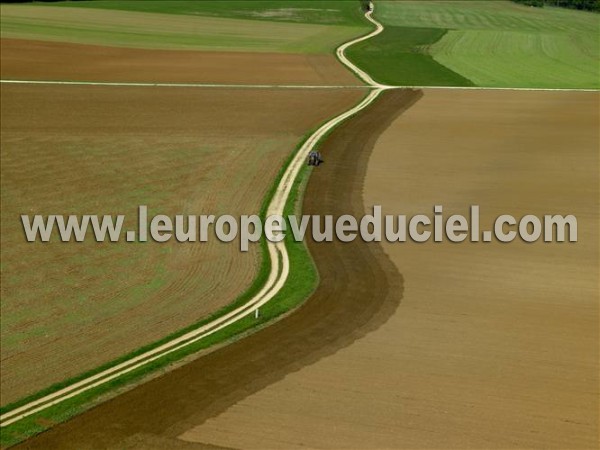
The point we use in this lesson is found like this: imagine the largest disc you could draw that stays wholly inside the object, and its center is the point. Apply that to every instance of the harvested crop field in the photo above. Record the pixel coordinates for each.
(40, 60)
(106, 150)
(500, 350)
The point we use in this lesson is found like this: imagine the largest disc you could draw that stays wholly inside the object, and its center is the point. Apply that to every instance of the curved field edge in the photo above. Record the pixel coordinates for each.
(301, 283)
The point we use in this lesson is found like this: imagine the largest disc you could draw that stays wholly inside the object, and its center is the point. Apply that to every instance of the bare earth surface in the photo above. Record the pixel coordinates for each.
(105, 150)
(412, 345)
(45, 60)
(493, 345)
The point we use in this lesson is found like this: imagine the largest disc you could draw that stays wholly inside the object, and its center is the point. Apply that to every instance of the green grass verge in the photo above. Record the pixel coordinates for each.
(490, 43)
(301, 282)
(399, 56)
(326, 12)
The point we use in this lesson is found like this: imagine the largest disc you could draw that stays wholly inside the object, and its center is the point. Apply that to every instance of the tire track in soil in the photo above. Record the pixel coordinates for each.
(359, 290)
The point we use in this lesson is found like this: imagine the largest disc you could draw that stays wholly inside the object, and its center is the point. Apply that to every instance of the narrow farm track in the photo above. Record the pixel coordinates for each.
(277, 277)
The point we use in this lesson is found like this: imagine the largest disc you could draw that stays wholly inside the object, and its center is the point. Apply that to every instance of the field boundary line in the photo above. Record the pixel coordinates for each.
(291, 86)
(183, 85)
(278, 275)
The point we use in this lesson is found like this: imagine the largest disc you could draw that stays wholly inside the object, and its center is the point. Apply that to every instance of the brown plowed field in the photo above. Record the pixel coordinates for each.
(493, 345)
(45, 60)
(67, 308)
(473, 345)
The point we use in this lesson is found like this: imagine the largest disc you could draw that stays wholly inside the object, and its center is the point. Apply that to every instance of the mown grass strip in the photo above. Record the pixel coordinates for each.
(516, 59)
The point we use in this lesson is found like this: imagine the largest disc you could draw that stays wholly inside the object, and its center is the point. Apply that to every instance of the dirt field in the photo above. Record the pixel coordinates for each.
(473, 345)
(493, 345)
(39, 60)
(210, 385)
(67, 308)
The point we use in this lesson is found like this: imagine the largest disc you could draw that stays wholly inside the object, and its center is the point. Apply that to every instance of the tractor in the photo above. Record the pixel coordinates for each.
(314, 158)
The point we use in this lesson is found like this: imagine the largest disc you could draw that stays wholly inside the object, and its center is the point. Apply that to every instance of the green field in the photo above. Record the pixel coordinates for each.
(486, 43)
(169, 31)
(326, 12)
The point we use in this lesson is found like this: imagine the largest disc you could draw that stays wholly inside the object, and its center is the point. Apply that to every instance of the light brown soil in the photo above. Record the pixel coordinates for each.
(41, 60)
(67, 308)
(474, 345)
(494, 345)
